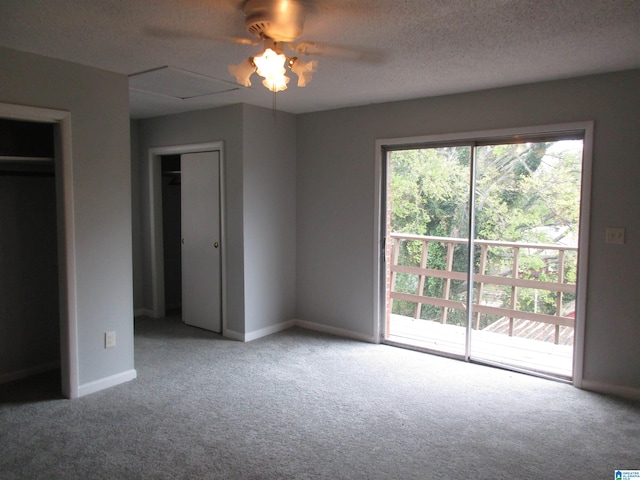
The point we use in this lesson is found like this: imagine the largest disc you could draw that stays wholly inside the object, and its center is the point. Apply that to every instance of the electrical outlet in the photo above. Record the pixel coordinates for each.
(109, 339)
(615, 235)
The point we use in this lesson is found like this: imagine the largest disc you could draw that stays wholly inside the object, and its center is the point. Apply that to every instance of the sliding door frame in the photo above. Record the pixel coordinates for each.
(585, 129)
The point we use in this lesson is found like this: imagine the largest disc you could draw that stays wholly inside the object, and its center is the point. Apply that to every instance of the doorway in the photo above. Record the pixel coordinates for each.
(187, 233)
(30, 324)
(482, 248)
(65, 236)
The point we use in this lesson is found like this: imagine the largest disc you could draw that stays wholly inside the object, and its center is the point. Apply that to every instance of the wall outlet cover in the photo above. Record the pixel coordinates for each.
(615, 235)
(109, 339)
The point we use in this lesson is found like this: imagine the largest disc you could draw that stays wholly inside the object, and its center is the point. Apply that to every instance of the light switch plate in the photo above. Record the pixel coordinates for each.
(109, 339)
(615, 235)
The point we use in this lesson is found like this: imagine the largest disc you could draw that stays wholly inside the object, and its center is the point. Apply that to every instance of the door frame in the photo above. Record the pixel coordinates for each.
(155, 221)
(69, 369)
(585, 128)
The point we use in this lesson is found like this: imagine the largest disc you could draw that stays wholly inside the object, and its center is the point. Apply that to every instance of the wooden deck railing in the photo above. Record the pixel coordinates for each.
(481, 279)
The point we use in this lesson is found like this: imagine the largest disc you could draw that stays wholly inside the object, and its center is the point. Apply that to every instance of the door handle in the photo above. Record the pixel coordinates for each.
(215, 245)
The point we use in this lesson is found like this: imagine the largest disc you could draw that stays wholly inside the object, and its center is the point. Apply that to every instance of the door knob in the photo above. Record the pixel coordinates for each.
(215, 244)
(183, 241)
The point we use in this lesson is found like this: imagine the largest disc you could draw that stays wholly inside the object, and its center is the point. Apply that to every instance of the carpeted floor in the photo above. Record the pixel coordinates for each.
(303, 405)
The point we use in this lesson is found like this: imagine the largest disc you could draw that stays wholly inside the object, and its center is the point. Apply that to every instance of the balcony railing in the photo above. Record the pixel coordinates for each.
(484, 281)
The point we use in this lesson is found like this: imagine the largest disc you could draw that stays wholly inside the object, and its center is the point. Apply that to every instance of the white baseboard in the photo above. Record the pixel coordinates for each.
(318, 327)
(609, 389)
(28, 372)
(233, 335)
(340, 332)
(143, 312)
(263, 332)
(106, 382)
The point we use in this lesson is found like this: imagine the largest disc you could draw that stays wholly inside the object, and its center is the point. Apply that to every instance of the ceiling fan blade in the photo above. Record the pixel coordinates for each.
(172, 34)
(231, 6)
(336, 51)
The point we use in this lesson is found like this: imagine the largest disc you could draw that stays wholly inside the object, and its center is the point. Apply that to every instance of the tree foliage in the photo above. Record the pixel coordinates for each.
(525, 192)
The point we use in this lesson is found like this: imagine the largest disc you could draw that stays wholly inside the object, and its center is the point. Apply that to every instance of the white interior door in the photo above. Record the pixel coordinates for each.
(201, 259)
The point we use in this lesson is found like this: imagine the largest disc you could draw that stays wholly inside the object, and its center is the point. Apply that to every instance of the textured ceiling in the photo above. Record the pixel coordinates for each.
(426, 47)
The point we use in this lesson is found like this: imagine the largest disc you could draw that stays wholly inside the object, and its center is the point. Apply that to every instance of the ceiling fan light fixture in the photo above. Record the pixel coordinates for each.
(276, 84)
(271, 66)
(304, 70)
(243, 71)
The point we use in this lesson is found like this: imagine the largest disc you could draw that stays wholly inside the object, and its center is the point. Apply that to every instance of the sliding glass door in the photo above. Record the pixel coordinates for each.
(482, 247)
(428, 206)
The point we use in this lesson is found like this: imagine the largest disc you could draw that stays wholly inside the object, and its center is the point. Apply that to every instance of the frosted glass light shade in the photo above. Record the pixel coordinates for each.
(276, 84)
(304, 70)
(270, 66)
(243, 72)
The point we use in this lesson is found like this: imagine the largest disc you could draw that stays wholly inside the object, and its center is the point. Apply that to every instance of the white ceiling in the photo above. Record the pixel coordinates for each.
(428, 47)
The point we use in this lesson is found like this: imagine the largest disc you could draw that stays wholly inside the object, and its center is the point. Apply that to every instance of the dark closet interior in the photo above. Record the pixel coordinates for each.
(171, 231)
(29, 290)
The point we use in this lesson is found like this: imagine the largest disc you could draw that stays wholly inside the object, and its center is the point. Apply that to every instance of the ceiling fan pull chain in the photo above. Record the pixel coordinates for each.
(273, 106)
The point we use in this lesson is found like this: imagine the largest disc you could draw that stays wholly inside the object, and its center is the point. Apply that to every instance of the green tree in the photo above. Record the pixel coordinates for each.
(524, 192)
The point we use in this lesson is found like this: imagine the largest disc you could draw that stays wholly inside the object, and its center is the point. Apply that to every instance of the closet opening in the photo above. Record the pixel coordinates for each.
(30, 314)
(186, 200)
(171, 233)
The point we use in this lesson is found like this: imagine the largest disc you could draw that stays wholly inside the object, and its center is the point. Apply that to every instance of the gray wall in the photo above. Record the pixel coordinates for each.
(335, 202)
(137, 226)
(269, 149)
(98, 102)
(259, 155)
(203, 126)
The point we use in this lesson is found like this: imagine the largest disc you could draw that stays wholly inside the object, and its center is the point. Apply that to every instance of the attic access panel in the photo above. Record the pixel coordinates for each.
(177, 83)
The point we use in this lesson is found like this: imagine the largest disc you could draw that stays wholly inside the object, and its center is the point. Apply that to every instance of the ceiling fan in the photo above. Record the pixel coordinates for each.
(277, 25)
